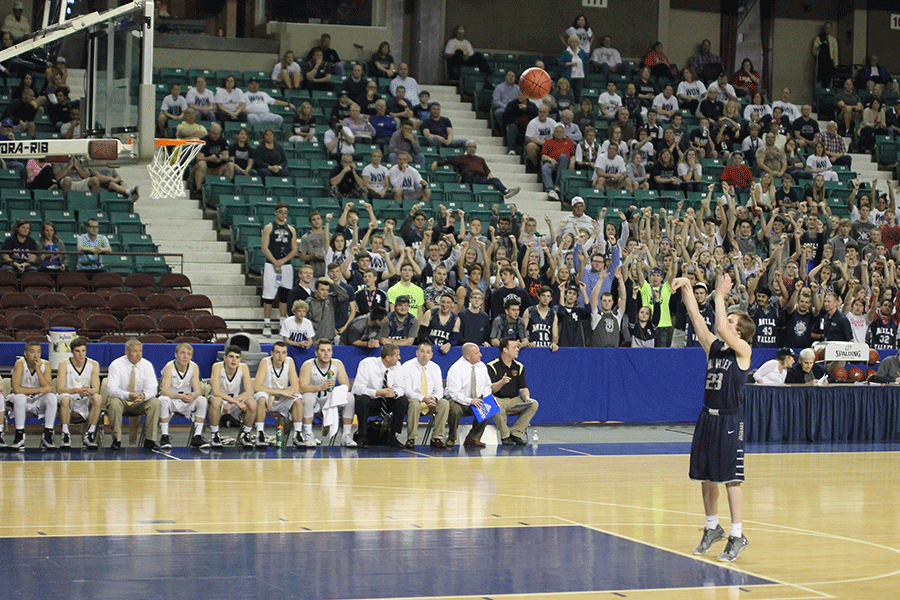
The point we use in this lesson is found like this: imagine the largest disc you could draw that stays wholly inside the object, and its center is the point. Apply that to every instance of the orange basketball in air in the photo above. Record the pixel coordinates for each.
(535, 83)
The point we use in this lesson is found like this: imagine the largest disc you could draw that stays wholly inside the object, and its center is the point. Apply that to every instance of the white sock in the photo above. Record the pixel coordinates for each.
(735, 530)
(298, 427)
(198, 428)
(307, 429)
(260, 425)
(65, 428)
(164, 428)
(348, 428)
(214, 429)
(712, 522)
(267, 321)
(246, 429)
(92, 428)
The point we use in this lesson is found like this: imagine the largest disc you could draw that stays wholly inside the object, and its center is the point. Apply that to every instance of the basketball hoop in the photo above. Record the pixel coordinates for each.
(168, 165)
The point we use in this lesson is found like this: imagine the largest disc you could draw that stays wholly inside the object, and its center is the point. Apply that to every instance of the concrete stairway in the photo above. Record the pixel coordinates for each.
(509, 169)
(178, 225)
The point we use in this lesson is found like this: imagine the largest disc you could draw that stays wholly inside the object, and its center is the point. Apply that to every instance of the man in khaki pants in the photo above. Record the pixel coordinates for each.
(425, 390)
(131, 388)
(512, 394)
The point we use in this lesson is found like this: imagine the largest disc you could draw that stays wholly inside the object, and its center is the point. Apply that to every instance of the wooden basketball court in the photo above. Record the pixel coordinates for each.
(557, 520)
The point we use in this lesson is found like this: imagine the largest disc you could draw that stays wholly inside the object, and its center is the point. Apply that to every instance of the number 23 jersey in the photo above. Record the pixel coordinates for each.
(725, 380)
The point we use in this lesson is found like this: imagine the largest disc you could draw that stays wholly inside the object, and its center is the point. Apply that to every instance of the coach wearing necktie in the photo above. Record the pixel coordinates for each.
(379, 381)
(467, 383)
(131, 389)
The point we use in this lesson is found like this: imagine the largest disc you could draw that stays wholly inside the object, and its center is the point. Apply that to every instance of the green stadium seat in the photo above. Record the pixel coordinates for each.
(122, 265)
(229, 206)
(254, 259)
(457, 193)
(168, 76)
(18, 214)
(138, 242)
(245, 231)
(263, 207)
(486, 193)
(215, 186)
(277, 186)
(126, 222)
(151, 264)
(63, 220)
(16, 199)
(82, 201)
(49, 200)
(112, 202)
(245, 184)
(261, 75)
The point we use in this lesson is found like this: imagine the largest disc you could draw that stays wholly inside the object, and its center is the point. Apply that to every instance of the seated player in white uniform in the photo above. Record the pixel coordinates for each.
(78, 387)
(277, 391)
(32, 393)
(298, 331)
(232, 393)
(317, 379)
(179, 392)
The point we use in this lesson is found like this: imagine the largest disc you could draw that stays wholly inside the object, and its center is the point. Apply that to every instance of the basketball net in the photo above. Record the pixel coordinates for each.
(168, 165)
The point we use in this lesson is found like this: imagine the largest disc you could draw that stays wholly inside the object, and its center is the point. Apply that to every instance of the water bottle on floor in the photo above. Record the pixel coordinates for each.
(534, 436)
(279, 437)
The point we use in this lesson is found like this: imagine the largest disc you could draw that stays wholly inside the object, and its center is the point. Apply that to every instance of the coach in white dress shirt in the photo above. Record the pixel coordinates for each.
(424, 387)
(133, 397)
(467, 383)
(380, 380)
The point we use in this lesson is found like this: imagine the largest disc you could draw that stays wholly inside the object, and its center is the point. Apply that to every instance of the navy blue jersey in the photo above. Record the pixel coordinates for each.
(798, 329)
(540, 329)
(881, 335)
(725, 380)
(473, 327)
(439, 333)
(766, 319)
(280, 240)
(571, 325)
(708, 312)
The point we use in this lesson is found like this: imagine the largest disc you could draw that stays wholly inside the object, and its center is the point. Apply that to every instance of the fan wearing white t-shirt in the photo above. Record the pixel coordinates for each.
(666, 104)
(230, 102)
(299, 331)
(610, 171)
(202, 100)
(375, 177)
(173, 107)
(407, 182)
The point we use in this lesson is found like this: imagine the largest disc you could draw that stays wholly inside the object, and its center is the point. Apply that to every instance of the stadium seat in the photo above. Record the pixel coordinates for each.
(68, 281)
(126, 223)
(99, 325)
(66, 319)
(124, 303)
(195, 302)
(207, 326)
(151, 264)
(135, 281)
(139, 324)
(121, 265)
(171, 326)
(161, 302)
(107, 280)
(53, 300)
(46, 200)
